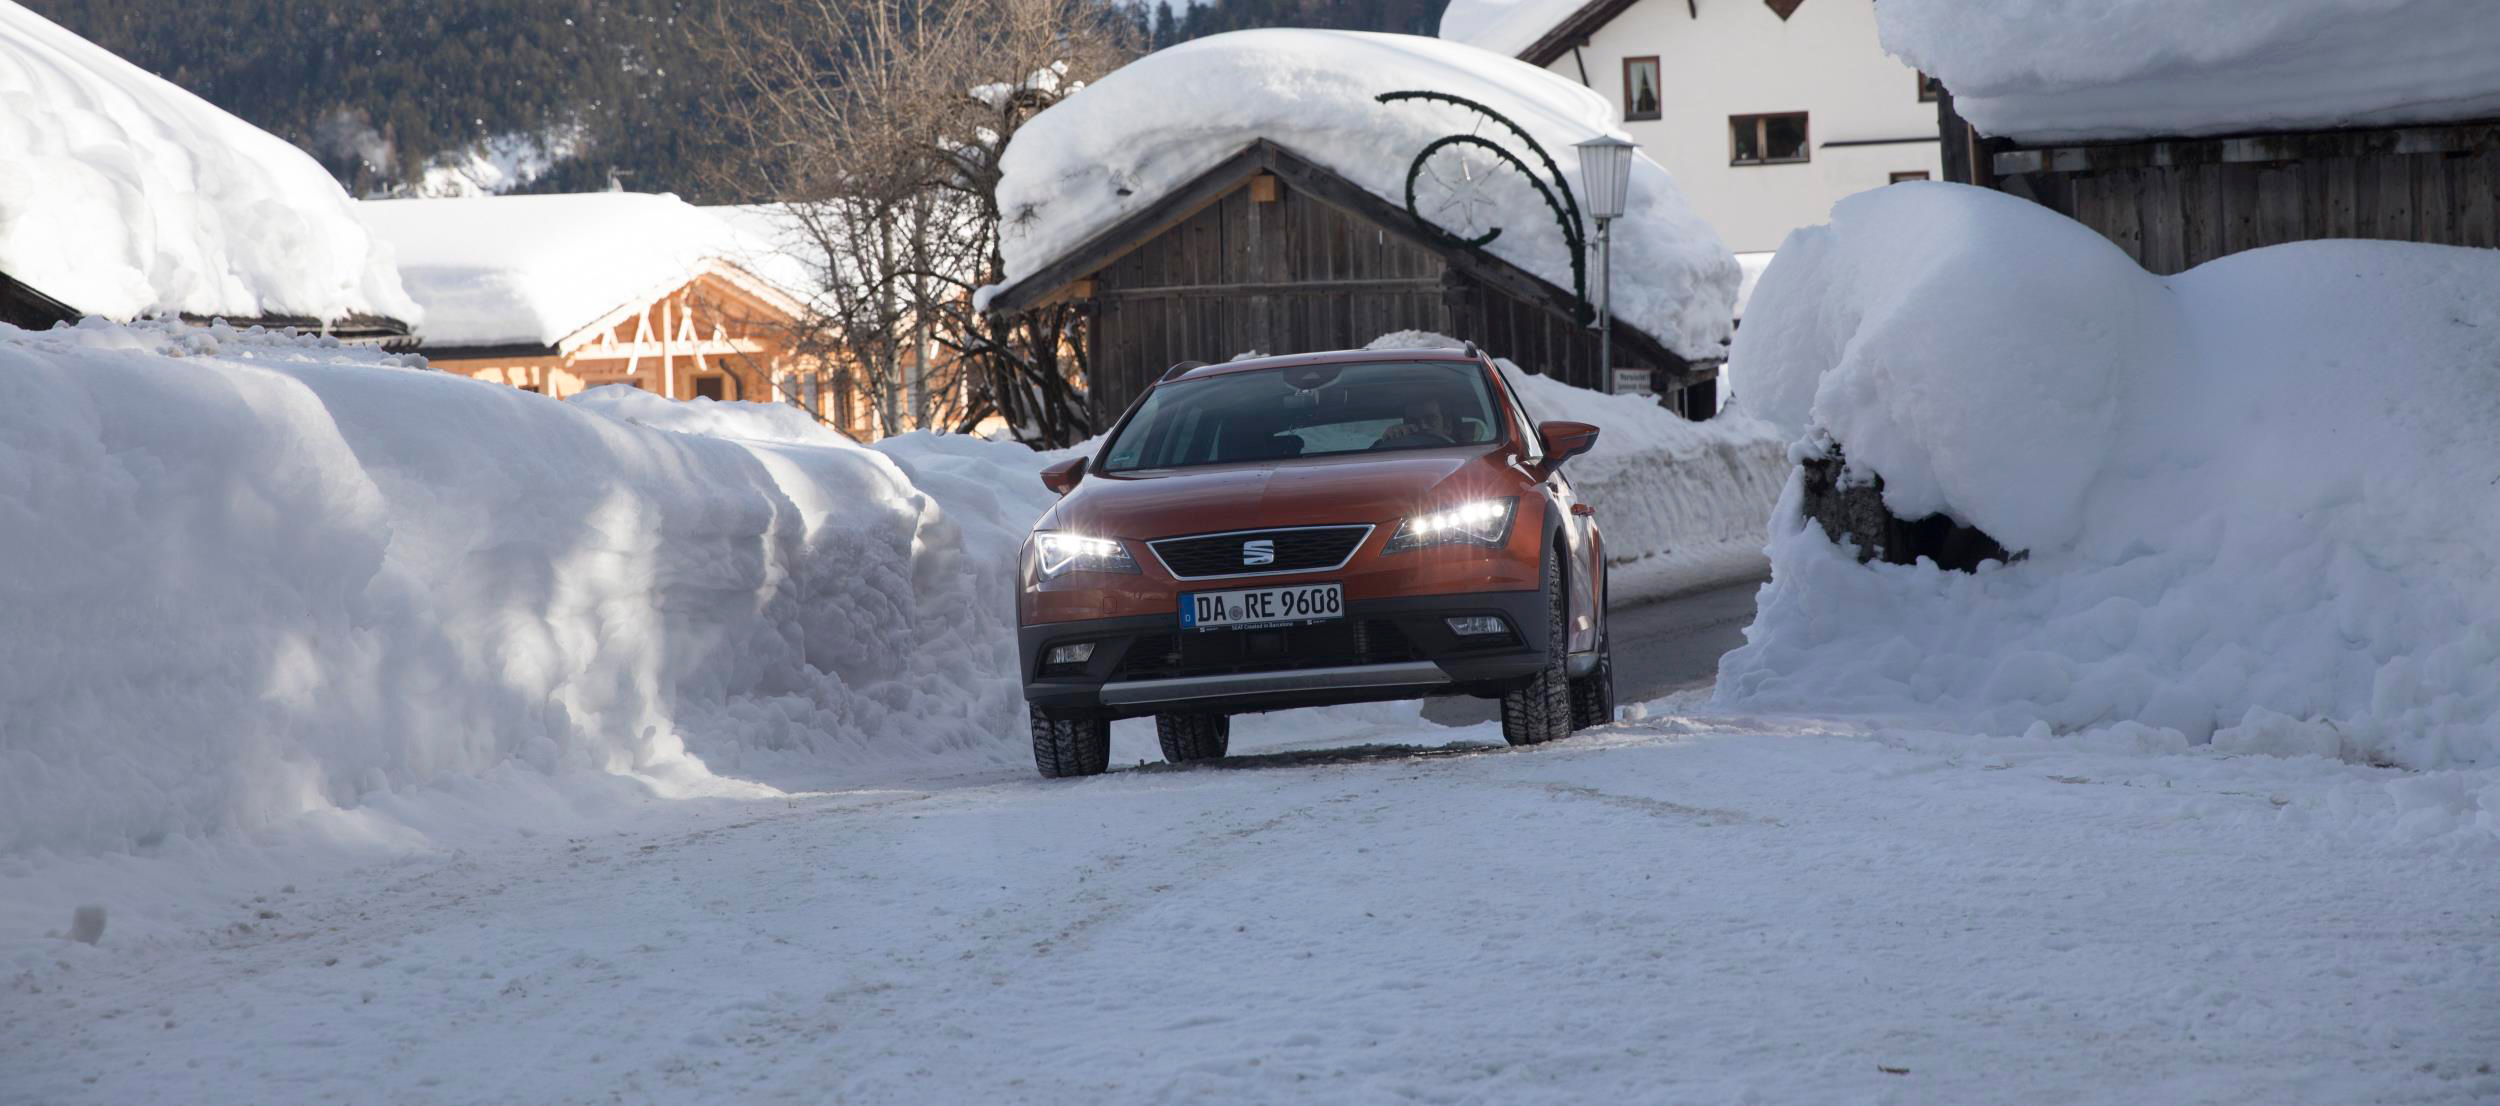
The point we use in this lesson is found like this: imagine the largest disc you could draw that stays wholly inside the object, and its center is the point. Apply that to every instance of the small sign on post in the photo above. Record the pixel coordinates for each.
(1633, 382)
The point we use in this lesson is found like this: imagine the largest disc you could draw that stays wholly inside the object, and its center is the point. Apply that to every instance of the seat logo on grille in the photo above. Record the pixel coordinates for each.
(1258, 551)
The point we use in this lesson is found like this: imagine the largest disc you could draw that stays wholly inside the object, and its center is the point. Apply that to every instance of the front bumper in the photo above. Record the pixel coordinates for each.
(1382, 649)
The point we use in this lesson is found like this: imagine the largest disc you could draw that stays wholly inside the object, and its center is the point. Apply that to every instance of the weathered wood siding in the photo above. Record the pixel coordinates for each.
(2175, 205)
(1299, 274)
(1283, 277)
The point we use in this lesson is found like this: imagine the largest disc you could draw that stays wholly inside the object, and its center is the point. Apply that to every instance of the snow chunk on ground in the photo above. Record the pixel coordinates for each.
(122, 195)
(2257, 498)
(1162, 120)
(2054, 70)
(1680, 503)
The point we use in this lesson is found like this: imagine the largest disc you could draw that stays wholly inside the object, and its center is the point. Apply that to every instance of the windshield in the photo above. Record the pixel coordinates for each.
(1307, 411)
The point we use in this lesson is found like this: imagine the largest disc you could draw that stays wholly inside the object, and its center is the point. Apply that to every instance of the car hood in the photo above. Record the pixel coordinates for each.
(1300, 492)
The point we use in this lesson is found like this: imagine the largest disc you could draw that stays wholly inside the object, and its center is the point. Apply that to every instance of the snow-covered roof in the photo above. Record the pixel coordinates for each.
(2058, 70)
(1506, 27)
(777, 242)
(123, 195)
(533, 270)
(1151, 127)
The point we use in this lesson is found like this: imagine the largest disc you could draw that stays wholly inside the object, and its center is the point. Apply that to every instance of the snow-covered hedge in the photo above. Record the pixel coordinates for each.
(2260, 499)
(252, 577)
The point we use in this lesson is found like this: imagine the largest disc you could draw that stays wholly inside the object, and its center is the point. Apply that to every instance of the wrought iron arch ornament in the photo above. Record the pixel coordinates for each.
(1558, 195)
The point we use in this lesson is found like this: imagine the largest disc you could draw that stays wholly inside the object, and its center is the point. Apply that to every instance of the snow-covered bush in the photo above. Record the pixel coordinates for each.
(2260, 499)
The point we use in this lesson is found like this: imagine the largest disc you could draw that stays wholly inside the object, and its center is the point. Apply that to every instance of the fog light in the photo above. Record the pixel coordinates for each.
(1078, 653)
(1478, 625)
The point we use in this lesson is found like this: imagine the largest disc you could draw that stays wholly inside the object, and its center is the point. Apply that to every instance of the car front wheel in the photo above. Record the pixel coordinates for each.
(1188, 737)
(1070, 746)
(1541, 711)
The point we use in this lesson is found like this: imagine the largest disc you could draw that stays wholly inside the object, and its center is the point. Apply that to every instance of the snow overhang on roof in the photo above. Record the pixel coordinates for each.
(2042, 71)
(1535, 31)
(1152, 128)
(124, 196)
(542, 271)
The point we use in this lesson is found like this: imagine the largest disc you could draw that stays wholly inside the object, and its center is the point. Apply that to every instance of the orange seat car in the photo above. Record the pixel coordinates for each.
(1308, 530)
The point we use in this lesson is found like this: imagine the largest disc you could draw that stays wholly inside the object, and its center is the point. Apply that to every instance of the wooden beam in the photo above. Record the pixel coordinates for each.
(2250, 148)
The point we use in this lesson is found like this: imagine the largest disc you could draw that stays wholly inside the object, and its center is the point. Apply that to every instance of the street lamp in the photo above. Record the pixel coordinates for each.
(1605, 177)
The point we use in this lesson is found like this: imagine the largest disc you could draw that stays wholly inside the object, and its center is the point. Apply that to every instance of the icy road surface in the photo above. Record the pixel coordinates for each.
(1695, 908)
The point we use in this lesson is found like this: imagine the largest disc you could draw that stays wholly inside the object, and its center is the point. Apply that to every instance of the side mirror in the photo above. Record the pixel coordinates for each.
(1062, 477)
(1564, 441)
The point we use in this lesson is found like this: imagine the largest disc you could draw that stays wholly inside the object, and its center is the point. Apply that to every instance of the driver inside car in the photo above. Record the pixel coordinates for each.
(1424, 419)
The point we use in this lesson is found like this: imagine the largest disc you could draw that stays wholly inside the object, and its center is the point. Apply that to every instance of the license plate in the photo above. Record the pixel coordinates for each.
(1279, 606)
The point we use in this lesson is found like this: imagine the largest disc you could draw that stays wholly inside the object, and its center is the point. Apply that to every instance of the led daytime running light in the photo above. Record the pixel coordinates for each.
(1063, 553)
(1481, 522)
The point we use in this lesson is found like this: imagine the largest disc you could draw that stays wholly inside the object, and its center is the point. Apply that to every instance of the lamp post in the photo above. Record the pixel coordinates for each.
(1605, 177)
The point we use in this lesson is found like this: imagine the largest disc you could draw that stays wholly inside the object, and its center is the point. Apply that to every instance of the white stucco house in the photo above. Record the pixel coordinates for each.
(1765, 111)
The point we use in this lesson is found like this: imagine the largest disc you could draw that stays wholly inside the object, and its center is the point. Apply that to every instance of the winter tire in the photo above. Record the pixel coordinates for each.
(1541, 711)
(1593, 695)
(1070, 746)
(1188, 737)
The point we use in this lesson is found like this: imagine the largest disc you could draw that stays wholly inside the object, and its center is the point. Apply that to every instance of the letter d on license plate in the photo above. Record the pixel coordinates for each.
(1240, 607)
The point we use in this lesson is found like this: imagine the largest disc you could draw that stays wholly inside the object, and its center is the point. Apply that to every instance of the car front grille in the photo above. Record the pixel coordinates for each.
(1300, 549)
(1283, 648)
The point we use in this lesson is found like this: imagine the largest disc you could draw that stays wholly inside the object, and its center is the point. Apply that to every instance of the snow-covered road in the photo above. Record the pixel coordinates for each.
(1695, 908)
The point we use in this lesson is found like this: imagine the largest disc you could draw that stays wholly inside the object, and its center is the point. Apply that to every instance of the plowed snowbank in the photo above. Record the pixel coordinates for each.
(253, 577)
(2260, 499)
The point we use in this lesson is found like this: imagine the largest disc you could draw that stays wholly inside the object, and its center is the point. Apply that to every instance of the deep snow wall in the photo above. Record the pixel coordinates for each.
(2260, 499)
(251, 577)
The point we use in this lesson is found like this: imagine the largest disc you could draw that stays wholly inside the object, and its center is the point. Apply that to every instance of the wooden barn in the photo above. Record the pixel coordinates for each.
(2174, 203)
(2335, 123)
(1270, 252)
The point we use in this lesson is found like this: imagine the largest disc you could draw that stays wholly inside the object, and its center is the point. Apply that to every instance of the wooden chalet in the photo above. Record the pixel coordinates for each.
(557, 294)
(1271, 252)
(2174, 203)
(722, 334)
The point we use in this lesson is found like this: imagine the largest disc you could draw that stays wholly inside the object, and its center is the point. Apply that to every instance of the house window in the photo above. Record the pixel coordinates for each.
(1914, 174)
(1640, 88)
(711, 387)
(1767, 139)
(1929, 88)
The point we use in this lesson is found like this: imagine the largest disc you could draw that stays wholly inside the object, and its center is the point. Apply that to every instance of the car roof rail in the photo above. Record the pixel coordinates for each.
(1180, 370)
(1472, 351)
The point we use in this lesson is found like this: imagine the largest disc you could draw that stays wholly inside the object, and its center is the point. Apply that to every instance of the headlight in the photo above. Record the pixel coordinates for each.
(1478, 522)
(1058, 554)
